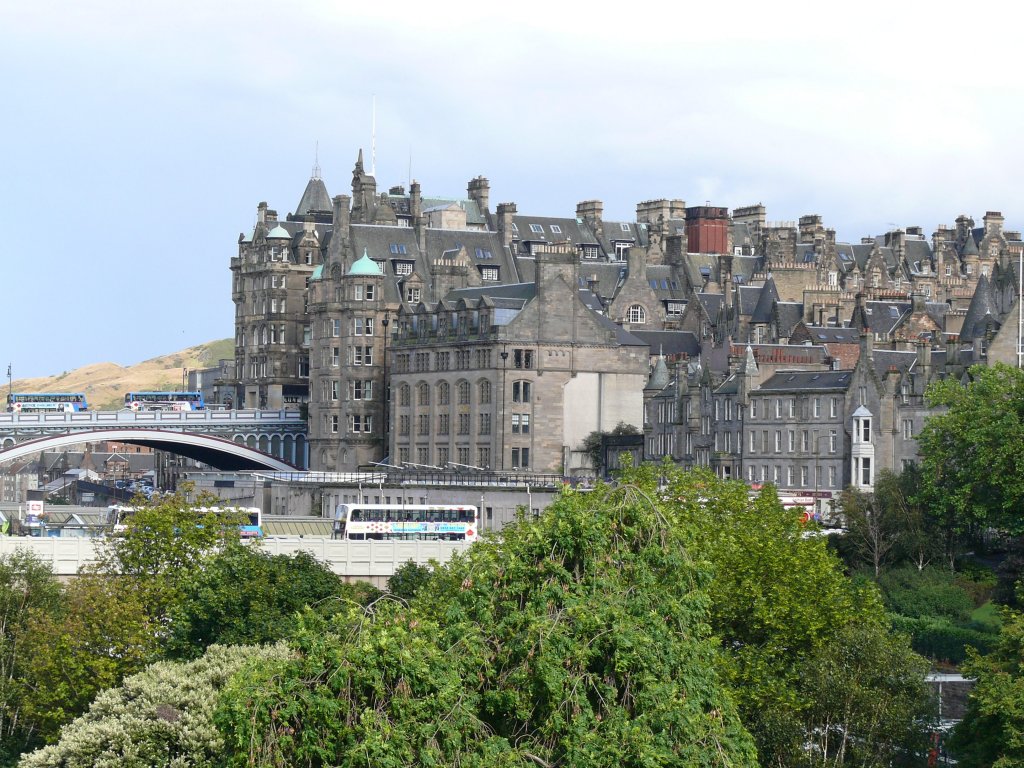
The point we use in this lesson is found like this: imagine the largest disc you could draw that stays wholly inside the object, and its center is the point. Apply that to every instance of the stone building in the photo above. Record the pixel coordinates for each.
(512, 377)
(437, 331)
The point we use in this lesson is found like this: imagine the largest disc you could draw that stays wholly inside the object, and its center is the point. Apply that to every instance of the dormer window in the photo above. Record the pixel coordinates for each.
(403, 268)
(555, 229)
(537, 229)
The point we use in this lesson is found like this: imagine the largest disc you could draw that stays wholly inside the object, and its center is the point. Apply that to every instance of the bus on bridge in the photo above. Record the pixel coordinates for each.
(164, 401)
(46, 402)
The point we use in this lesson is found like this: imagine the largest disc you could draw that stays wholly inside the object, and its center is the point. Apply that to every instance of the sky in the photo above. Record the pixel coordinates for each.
(138, 138)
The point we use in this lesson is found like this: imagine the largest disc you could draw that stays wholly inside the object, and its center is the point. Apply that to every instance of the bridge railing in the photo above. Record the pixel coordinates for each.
(93, 418)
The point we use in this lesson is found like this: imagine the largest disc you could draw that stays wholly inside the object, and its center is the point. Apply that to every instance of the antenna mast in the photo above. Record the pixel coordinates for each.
(373, 140)
(316, 161)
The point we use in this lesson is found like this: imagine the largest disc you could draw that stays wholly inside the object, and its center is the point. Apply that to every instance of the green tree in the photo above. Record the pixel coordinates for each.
(972, 476)
(158, 718)
(408, 579)
(593, 444)
(780, 602)
(576, 638)
(992, 731)
(27, 587)
(888, 526)
(163, 546)
(243, 596)
(99, 634)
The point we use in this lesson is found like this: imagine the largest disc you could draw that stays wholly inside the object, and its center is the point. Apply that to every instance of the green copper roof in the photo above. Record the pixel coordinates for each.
(318, 272)
(365, 266)
(279, 231)
(248, 238)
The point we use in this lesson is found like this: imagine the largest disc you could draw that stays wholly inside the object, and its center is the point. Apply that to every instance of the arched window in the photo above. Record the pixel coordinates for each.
(443, 393)
(637, 314)
(485, 392)
(463, 393)
(423, 393)
(403, 394)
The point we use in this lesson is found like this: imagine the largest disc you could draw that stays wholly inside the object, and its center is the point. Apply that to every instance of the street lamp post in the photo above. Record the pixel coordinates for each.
(504, 365)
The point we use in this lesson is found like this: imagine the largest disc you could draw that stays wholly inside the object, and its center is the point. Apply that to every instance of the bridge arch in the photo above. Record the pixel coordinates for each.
(217, 452)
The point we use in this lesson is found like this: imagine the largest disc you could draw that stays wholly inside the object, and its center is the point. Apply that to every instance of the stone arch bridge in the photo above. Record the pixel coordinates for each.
(226, 440)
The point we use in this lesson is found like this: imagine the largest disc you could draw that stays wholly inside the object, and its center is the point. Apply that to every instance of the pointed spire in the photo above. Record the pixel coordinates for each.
(359, 160)
(749, 362)
(659, 376)
(970, 247)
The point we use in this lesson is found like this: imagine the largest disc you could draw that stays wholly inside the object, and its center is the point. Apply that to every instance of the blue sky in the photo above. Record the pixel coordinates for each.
(138, 138)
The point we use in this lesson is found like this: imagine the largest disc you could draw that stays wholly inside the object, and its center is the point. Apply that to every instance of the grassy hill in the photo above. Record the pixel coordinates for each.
(104, 384)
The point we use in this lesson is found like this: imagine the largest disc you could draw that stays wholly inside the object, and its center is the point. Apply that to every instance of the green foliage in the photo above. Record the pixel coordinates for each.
(593, 443)
(941, 641)
(99, 634)
(164, 544)
(992, 731)
(577, 638)
(889, 525)
(932, 592)
(408, 579)
(159, 718)
(972, 474)
(27, 588)
(782, 605)
(243, 596)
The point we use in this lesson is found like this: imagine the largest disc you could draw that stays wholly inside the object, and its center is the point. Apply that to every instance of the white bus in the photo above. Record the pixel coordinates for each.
(406, 522)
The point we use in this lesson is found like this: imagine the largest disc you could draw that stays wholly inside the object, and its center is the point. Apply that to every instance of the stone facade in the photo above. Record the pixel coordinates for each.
(433, 331)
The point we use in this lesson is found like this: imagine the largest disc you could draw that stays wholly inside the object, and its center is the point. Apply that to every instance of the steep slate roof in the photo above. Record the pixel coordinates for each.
(671, 343)
(790, 313)
(747, 298)
(746, 267)
(731, 386)
(314, 199)
(769, 295)
(884, 316)
(790, 381)
(884, 359)
(659, 375)
(981, 311)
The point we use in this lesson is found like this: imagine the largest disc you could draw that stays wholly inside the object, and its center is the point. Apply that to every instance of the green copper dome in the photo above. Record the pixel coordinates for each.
(279, 231)
(365, 266)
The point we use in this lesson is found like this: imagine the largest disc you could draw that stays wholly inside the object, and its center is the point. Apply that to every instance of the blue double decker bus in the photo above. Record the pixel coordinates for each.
(46, 402)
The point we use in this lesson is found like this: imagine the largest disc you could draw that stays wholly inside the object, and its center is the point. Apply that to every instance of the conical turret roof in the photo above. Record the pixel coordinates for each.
(315, 199)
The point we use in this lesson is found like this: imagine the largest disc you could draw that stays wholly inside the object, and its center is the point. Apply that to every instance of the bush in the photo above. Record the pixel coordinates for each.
(931, 592)
(940, 640)
(159, 717)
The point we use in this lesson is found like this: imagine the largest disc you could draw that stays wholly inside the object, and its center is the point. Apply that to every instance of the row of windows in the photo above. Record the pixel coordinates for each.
(441, 454)
(330, 390)
(423, 324)
(264, 334)
(792, 441)
(792, 476)
(443, 393)
(260, 306)
(520, 424)
(357, 424)
(784, 407)
(464, 360)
